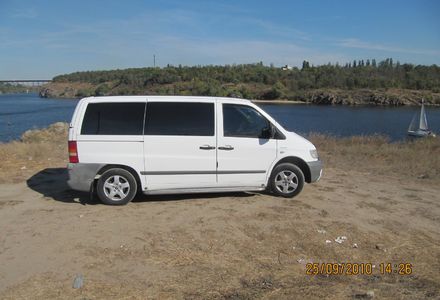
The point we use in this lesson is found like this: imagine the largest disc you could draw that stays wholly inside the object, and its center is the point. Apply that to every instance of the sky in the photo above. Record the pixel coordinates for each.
(43, 38)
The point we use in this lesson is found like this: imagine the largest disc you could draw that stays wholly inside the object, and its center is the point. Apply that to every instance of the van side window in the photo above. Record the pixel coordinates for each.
(174, 118)
(243, 121)
(113, 119)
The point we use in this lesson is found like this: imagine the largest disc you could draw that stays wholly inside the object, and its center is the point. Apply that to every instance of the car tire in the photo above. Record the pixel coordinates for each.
(286, 180)
(116, 187)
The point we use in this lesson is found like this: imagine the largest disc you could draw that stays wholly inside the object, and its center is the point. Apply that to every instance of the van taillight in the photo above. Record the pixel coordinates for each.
(73, 152)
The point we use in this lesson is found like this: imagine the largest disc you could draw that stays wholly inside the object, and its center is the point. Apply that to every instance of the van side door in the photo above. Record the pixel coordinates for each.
(180, 144)
(244, 153)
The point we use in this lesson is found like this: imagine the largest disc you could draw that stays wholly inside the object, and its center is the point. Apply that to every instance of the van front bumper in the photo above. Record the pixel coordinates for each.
(315, 168)
(81, 176)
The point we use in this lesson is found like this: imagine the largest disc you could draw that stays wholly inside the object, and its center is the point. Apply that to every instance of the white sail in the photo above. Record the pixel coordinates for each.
(423, 125)
(419, 124)
(412, 125)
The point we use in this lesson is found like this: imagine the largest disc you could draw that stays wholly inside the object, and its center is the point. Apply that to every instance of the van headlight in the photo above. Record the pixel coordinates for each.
(314, 153)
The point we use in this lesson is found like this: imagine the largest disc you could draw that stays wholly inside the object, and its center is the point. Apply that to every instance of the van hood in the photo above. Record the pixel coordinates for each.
(300, 141)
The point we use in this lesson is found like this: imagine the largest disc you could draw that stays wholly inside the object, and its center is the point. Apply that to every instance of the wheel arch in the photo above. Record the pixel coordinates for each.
(300, 163)
(124, 167)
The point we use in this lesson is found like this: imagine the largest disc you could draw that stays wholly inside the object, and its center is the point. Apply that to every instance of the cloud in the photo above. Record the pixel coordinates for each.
(174, 36)
(179, 36)
(359, 44)
(176, 50)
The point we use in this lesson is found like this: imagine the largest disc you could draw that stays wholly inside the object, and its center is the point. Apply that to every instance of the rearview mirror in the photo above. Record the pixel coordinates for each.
(266, 133)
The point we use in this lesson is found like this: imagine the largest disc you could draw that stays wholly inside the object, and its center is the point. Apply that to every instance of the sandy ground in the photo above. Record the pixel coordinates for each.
(221, 246)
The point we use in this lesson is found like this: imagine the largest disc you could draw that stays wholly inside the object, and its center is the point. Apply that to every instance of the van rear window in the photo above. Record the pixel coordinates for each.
(113, 119)
(174, 118)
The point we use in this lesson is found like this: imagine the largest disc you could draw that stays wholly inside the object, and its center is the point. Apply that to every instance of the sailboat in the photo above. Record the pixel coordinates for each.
(419, 124)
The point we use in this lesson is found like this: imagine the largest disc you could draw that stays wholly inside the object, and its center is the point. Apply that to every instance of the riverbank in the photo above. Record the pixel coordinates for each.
(375, 154)
(36, 150)
(386, 97)
(382, 197)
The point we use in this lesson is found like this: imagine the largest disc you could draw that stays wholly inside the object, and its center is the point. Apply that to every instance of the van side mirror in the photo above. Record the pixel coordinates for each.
(267, 133)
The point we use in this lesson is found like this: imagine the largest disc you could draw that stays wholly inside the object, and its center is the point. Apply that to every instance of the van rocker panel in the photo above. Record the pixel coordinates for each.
(205, 190)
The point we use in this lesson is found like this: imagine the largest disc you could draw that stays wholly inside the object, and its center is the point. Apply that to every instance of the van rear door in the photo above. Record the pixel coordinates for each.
(180, 144)
(111, 132)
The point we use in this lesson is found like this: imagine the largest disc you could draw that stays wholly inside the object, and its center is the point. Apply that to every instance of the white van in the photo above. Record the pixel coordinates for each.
(170, 145)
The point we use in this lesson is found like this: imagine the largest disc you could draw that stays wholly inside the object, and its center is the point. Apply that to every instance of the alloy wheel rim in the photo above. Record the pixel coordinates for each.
(286, 182)
(116, 187)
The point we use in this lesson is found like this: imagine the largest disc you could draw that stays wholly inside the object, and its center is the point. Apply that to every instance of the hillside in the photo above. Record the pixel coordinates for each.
(383, 83)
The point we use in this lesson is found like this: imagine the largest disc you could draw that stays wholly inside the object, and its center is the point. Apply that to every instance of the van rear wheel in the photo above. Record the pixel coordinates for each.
(287, 180)
(116, 187)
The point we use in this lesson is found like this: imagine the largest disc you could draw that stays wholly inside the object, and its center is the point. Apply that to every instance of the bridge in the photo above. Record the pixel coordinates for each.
(25, 81)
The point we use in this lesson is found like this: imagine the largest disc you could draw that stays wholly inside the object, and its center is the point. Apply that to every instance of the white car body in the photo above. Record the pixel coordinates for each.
(164, 164)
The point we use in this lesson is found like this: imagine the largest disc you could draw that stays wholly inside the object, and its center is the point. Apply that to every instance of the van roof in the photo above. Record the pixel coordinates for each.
(176, 98)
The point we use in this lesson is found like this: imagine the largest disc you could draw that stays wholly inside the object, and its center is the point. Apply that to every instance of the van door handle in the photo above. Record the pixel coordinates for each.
(226, 148)
(206, 147)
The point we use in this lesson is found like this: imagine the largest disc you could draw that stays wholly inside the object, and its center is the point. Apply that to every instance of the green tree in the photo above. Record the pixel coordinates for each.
(255, 80)
(305, 65)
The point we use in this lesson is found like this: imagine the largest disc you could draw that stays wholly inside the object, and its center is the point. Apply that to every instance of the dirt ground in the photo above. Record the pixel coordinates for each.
(221, 246)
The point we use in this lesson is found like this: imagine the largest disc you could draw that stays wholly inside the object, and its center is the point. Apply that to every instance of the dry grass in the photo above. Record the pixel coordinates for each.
(236, 246)
(36, 150)
(375, 154)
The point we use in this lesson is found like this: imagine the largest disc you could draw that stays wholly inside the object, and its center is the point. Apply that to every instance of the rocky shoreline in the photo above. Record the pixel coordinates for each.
(391, 97)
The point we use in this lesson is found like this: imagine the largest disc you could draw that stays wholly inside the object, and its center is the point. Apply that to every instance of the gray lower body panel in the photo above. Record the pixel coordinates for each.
(81, 175)
(315, 170)
(205, 190)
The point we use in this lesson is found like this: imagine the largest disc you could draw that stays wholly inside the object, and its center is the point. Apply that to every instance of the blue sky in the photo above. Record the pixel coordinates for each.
(43, 38)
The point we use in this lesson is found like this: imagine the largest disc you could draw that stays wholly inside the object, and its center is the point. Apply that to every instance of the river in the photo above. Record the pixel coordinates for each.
(20, 112)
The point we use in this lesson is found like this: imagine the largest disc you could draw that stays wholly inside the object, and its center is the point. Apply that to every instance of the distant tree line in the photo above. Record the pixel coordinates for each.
(258, 81)
(6, 88)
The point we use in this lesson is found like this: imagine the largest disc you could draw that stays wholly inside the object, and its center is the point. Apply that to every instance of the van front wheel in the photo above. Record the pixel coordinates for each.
(287, 180)
(116, 187)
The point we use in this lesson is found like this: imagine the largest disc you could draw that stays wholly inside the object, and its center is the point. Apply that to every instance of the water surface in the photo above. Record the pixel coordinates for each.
(20, 112)
(343, 121)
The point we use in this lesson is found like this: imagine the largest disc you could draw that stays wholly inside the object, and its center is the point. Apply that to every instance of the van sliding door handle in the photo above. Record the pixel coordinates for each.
(226, 148)
(206, 147)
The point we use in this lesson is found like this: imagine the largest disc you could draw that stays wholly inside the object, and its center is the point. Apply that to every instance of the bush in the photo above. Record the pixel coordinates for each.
(102, 90)
(83, 93)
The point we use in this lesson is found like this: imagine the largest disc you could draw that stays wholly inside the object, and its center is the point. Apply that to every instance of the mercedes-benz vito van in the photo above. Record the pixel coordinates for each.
(170, 145)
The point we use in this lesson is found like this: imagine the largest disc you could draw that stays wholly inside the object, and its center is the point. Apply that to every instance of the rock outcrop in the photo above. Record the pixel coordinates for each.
(66, 90)
(372, 97)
